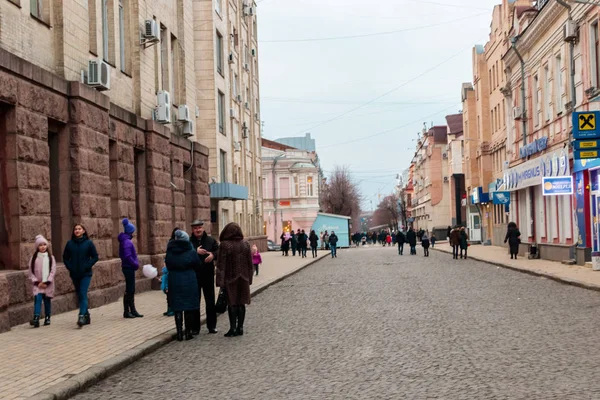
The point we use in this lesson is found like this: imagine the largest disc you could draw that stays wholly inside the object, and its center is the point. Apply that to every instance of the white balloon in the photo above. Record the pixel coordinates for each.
(149, 271)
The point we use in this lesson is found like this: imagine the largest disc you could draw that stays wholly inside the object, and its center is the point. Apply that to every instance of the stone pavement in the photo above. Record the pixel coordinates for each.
(371, 324)
(572, 274)
(51, 358)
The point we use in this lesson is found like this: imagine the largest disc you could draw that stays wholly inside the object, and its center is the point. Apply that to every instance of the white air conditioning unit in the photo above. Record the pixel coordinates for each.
(237, 146)
(187, 129)
(151, 31)
(247, 105)
(184, 113)
(249, 11)
(230, 58)
(517, 112)
(570, 31)
(163, 98)
(98, 75)
(232, 113)
(445, 179)
(444, 156)
(162, 114)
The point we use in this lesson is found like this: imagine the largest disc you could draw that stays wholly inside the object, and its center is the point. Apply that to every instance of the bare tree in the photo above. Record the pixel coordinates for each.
(387, 212)
(340, 195)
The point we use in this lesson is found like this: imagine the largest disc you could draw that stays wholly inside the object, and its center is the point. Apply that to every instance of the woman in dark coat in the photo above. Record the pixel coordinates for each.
(285, 243)
(411, 238)
(464, 242)
(184, 297)
(234, 274)
(513, 237)
(314, 242)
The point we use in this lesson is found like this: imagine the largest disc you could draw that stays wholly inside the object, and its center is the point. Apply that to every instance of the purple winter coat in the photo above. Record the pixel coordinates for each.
(35, 275)
(127, 252)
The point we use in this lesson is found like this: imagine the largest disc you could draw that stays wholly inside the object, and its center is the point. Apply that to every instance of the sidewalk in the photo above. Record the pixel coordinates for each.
(62, 359)
(571, 274)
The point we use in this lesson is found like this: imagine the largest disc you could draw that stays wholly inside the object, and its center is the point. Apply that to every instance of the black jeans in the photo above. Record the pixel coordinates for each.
(206, 284)
(129, 280)
(400, 248)
(455, 251)
(314, 250)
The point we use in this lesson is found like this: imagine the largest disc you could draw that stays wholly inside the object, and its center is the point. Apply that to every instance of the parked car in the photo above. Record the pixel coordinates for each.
(272, 246)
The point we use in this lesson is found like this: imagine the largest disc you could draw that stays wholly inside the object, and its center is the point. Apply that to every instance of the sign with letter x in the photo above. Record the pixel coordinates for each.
(585, 125)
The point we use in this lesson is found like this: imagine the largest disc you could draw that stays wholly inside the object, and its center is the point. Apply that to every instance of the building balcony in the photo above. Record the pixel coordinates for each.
(228, 191)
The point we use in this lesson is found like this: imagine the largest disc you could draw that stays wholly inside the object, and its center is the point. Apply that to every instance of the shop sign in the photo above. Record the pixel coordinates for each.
(535, 147)
(557, 185)
(531, 172)
(501, 198)
(585, 125)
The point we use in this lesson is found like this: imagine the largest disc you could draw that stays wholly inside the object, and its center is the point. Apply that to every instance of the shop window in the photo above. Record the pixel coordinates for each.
(113, 156)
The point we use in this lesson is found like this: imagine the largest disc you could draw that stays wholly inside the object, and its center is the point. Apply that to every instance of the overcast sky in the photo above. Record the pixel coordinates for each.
(365, 98)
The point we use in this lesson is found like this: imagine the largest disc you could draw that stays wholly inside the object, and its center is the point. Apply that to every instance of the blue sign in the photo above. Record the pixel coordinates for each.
(582, 165)
(501, 198)
(557, 185)
(478, 196)
(580, 210)
(536, 146)
(586, 154)
(586, 144)
(585, 125)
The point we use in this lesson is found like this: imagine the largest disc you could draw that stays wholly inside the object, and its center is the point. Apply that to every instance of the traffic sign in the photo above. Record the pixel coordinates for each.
(585, 125)
(586, 144)
(585, 154)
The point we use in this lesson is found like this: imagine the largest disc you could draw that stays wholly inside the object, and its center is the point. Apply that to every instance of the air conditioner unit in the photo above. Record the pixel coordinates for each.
(244, 131)
(162, 114)
(184, 113)
(151, 31)
(253, 52)
(249, 11)
(246, 67)
(187, 129)
(237, 146)
(239, 98)
(247, 105)
(232, 113)
(256, 116)
(444, 155)
(230, 58)
(570, 31)
(517, 112)
(98, 75)
(445, 179)
(163, 98)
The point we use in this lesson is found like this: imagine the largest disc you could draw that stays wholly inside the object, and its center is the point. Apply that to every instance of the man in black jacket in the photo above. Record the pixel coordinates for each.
(206, 247)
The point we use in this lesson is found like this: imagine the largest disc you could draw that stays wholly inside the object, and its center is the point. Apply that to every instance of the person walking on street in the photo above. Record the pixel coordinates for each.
(425, 244)
(256, 258)
(411, 238)
(388, 240)
(294, 243)
(302, 245)
(234, 275)
(207, 248)
(333, 239)
(513, 237)
(129, 264)
(80, 256)
(42, 268)
(432, 240)
(184, 296)
(401, 239)
(314, 242)
(322, 241)
(464, 242)
(286, 239)
(326, 240)
(455, 241)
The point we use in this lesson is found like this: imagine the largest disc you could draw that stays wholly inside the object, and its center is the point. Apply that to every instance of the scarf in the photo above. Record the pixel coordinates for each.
(45, 266)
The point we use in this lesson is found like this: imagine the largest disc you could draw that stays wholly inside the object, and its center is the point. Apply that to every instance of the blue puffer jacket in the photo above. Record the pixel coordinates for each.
(79, 256)
(127, 253)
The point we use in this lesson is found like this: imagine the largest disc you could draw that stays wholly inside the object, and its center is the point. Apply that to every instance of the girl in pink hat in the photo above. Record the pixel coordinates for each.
(42, 268)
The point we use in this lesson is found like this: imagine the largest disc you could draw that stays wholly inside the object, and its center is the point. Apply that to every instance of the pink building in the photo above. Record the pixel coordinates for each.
(291, 181)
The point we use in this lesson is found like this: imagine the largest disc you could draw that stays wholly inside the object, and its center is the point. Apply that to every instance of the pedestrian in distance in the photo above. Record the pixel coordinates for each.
(206, 247)
(464, 242)
(314, 242)
(425, 244)
(286, 240)
(411, 238)
(234, 275)
(401, 239)
(256, 258)
(333, 239)
(388, 240)
(455, 241)
(80, 256)
(184, 295)
(432, 239)
(294, 243)
(513, 237)
(164, 286)
(129, 265)
(302, 243)
(42, 268)
(326, 240)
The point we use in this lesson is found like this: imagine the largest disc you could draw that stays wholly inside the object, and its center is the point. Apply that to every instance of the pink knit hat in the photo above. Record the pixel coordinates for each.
(39, 239)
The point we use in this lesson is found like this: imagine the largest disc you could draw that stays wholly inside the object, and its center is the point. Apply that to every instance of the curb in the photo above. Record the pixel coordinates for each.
(559, 279)
(79, 382)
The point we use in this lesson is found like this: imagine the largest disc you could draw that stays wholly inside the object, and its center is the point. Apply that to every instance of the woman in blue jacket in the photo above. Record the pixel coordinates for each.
(79, 257)
(129, 264)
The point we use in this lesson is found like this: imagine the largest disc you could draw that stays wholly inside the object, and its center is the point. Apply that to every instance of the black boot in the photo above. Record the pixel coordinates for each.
(132, 306)
(241, 316)
(47, 320)
(126, 311)
(232, 313)
(81, 320)
(179, 325)
(88, 319)
(188, 325)
(35, 322)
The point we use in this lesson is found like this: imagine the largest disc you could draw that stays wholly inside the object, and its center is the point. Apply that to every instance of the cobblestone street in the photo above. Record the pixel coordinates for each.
(373, 324)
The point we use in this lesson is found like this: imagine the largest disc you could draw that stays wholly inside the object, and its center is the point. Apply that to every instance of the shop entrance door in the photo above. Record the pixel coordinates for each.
(475, 228)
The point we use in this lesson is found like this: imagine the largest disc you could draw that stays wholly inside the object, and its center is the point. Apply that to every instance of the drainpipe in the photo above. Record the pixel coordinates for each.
(275, 196)
(571, 56)
(524, 115)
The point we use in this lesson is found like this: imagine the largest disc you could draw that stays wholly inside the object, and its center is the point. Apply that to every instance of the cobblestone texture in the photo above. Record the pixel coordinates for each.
(372, 324)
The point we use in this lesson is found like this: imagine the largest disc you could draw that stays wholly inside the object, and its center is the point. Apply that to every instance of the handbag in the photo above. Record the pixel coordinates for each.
(221, 304)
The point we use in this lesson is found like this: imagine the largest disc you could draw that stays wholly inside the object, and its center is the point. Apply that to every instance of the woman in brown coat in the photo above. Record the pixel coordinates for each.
(234, 275)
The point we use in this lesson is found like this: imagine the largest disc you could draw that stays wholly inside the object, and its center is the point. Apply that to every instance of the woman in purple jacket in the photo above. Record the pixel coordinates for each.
(129, 264)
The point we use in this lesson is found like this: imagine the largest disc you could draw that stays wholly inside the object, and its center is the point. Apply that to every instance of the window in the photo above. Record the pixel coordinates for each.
(547, 96)
(92, 27)
(223, 166)
(218, 6)
(235, 86)
(245, 55)
(595, 54)
(124, 42)
(39, 11)
(174, 71)
(164, 58)
(296, 186)
(558, 81)
(121, 35)
(536, 103)
(221, 111)
(247, 97)
(284, 188)
(219, 50)
(309, 186)
(105, 30)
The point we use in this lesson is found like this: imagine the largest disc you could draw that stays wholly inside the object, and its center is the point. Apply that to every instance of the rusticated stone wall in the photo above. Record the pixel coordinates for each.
(68, 155)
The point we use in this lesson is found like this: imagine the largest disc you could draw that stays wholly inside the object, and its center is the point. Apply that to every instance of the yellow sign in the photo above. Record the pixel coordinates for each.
(587, 122)
(588, 145)
(589, 154)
